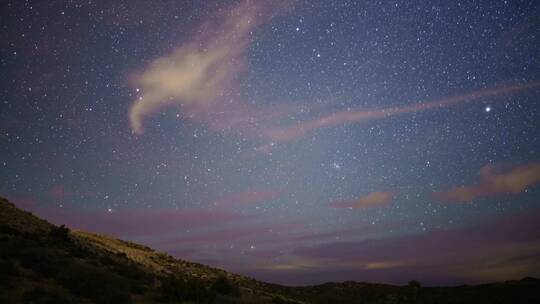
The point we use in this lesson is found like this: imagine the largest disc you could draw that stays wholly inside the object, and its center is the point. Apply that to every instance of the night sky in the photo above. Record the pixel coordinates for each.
(295, 142)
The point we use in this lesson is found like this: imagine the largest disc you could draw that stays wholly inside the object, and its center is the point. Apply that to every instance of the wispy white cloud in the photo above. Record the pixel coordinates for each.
(199, 76)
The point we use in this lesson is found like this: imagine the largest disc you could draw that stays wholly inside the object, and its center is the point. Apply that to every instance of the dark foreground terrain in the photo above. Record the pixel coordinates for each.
(43, 263)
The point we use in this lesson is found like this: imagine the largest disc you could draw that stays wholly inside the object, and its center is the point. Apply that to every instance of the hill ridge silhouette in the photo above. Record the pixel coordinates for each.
(44, 263)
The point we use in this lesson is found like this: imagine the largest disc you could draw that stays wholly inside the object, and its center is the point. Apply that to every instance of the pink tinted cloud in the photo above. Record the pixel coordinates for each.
(494, 249)
(355, 116)
(59, 192)
(509, 229)
(230, 240)
(493, 182)
(139, 222)
(373, 199)
(298, 234)
(345, 233)
(224, 235)
(25, 203)
(248, 197)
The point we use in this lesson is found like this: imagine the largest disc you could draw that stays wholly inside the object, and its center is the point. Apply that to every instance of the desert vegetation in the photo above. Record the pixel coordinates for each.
(44, 263)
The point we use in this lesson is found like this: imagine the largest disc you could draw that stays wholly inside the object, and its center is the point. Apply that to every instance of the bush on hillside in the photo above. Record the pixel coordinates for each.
(223, 286)
(174, 289)
(94, 283)
(60, 233)
(39, 295)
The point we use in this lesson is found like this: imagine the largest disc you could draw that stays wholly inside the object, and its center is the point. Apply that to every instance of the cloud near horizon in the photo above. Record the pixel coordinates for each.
(494, 181)
(494, 249)
(248, 197)
(373, 199)
(132, 222)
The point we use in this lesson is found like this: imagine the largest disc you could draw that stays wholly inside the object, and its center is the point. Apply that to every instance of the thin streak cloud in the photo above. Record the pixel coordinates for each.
(300, 130)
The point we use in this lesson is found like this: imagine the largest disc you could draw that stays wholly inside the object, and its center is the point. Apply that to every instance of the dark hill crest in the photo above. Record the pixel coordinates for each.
(44, 263)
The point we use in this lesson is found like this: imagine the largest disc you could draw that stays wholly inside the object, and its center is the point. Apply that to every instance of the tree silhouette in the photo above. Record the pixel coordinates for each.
(414, 286)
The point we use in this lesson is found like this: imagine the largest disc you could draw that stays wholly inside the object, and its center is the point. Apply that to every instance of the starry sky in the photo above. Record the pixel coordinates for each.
(297, 142)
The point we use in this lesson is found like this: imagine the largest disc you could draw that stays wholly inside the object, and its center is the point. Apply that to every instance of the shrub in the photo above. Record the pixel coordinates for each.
(11, 246)
(414, 284)
(174, 289)
(79, 251)
(94, 283)
(40, 295)
(60, 233)
(223, 286)
(7, 269)
(130, 270)
(41, 260)
(278, 300)
(6, 229)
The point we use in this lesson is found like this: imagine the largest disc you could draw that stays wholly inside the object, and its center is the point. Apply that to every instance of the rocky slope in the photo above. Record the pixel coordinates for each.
(43, 263)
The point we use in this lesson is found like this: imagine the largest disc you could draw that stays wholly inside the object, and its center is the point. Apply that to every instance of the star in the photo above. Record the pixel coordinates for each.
(257, 119)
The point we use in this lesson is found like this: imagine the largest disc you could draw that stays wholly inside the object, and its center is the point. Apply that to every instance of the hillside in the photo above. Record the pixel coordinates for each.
(43, 263)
